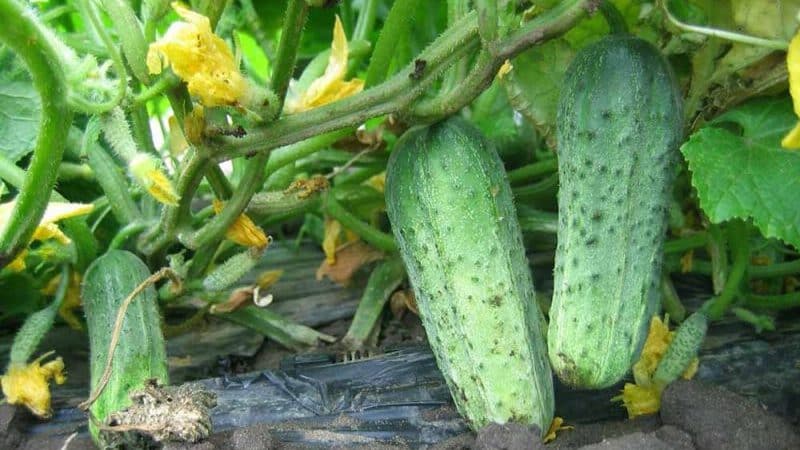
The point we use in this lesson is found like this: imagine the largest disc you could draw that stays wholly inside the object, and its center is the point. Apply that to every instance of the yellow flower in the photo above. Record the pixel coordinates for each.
(644, 397)
(377, 182)
(29, 385)
(656, 344)
(146, 170)
(331, 85)
(504, 69)
(640, 400)
(200, 58)
(72, 299)
(243, 231)
(47, 229)
(555, 426)
(792, 140)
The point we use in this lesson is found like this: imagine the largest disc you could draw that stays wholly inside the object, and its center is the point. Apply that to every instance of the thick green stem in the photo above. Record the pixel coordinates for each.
(391, 96)
(165, 82)
(23, 34)
(219, 182)
(718, 251)
(397, 25)
(366, 20)
(536, 221)
(551, 23)
(686, 243)
(293, 22)
(670, 300)
(156, 240)
(613, 17)
(383, 280)
(131, 38)
(125, 233)
(376, 238)
(738, 238)
(773, 302)
(529, 172)
(214, 230)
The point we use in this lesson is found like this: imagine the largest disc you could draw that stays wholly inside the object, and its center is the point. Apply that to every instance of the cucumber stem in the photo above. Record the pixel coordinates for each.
(383, 280)
(773, 302)
(371, 235)
(28, 37)
(738, 238)
(616, 23)
(528, 172)
(670, 299)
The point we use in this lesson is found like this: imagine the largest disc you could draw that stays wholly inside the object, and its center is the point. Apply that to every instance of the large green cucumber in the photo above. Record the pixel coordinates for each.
(140, 354)
(619, 126)
(450, 206)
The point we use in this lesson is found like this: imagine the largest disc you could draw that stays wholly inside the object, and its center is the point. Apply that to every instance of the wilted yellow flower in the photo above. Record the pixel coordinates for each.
(644, 397)
(243, 231)
(146, 170)
(331, 85)
(640, 400)
(504, 69)
(377, 182)
(792, 140)
(332, 239)
(72, 298)
(47, 228)
(200, 58)
(29, 385)
(555, 426)
(656, 344)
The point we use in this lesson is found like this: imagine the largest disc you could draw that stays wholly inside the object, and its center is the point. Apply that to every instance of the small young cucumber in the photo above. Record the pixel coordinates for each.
(619, 126)
(450, 206)
(682, 350)
(140, 354)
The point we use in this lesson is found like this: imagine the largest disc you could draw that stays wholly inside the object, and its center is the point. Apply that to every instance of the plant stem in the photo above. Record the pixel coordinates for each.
(738, 238)
(293, 22)
(376, 238)
(396, 26)
(366, 20)
(685, 243)
(383, 280)
(670, 299)
(526, 173)
(616, 23)
(24, 35)
(723, 34)
(219, 183)
(125, 233)
(773, 302)
(165, 82)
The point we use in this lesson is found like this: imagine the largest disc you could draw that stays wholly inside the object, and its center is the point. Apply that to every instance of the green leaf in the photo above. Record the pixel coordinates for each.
(20, 109)
(740, 170)
(766, 18)
(534, 84)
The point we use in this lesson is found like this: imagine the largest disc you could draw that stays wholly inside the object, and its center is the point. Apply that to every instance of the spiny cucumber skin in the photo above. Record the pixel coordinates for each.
(452, 214)
(140, 354)
(683, 348)
(619, 126)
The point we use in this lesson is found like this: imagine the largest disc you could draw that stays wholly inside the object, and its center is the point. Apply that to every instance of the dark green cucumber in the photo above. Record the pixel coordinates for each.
(451, 210)
(619, 127)
(140, 354)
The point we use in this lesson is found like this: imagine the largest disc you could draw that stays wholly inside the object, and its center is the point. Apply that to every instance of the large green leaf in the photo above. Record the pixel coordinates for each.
(20, 108)
(740, 170)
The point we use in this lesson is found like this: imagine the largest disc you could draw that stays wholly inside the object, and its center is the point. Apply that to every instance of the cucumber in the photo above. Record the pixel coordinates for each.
(682, 350)
(451, 210)
(619, 127)
(140, 354)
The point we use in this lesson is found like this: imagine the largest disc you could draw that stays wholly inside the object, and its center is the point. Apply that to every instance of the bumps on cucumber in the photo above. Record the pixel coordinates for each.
(619, 127)
(140, 354)
(451, 210)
